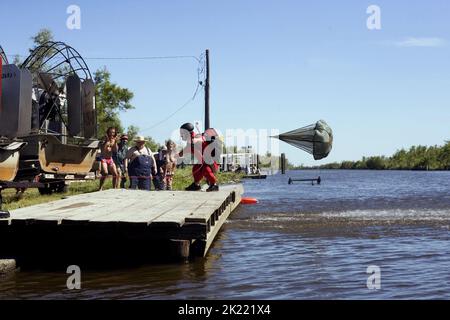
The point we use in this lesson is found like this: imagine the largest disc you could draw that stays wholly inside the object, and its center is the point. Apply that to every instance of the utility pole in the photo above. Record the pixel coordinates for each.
(207, 119)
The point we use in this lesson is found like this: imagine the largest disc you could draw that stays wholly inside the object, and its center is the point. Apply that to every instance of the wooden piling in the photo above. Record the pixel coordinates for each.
(283, 163)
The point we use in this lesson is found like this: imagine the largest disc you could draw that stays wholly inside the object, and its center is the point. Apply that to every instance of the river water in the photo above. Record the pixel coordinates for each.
(299, 242)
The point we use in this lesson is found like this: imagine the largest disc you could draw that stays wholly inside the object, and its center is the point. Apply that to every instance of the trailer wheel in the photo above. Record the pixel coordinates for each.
(61, 187)
(45, 191)
(4, 214)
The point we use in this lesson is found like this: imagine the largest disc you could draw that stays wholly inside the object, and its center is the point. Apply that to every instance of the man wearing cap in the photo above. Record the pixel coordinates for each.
(196, 145)
(120, 159)
(158, 181)
(141, 165)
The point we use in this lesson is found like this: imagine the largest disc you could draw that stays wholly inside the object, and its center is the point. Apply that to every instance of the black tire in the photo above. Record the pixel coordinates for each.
(4, 214)
(45, 191)
(61, 188)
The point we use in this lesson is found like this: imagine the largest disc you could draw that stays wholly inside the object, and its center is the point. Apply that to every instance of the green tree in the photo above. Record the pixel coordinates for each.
(110, 100)
(444, 156)
(399, 160)
(17, 60)
(132, 132)
(152, 144)
(42, 37)
(416, 158)
(347, 165)
(376, 163)
(360, 165)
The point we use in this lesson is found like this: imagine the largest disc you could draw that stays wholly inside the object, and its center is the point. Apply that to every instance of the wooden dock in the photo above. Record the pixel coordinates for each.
(122, 224)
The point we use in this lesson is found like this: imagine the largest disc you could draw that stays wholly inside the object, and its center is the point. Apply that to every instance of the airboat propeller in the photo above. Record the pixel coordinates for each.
(48, 123)
(58, 60)
(63, 90)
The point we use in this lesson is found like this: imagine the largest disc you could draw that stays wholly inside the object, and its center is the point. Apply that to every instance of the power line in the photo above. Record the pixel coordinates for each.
(200, 73)
(128, 58)
(145, 58)
(200, 83)
(175, 112)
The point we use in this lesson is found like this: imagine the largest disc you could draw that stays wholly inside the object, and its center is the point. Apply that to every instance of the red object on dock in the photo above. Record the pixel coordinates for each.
(249, 201)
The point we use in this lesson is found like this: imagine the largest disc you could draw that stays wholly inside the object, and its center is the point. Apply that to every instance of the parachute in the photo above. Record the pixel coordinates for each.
(316, 139)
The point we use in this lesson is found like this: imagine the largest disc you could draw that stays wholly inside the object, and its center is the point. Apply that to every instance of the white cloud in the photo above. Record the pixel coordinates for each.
(421, 42)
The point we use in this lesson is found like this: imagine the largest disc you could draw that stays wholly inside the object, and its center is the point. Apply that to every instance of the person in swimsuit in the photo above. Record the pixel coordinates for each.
(108, 147)
(170, 164)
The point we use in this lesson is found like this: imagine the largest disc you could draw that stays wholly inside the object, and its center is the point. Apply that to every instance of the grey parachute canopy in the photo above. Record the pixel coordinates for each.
(316, 139)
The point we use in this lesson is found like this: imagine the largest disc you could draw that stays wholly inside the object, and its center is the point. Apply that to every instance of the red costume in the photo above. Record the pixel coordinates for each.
(203, 170)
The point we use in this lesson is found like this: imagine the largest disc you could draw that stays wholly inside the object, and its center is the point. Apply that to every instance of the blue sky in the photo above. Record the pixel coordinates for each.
(274, 64)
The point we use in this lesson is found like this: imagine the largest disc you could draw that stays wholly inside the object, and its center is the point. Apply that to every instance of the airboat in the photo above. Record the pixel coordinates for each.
(48, 123)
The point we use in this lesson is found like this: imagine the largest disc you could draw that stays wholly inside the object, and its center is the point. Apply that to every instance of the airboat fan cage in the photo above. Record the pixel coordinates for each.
(58, 60)
(63, 92)
(3, 56)
(49, 105)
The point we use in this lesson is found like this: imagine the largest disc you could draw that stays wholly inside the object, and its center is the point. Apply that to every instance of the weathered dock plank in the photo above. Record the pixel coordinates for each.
(123, 218)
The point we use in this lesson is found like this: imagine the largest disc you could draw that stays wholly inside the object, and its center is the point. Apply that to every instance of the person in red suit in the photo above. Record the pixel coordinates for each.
(204, 166)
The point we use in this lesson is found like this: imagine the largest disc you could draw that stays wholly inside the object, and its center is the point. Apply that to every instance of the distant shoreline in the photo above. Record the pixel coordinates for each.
(350, 169)
(416, 158)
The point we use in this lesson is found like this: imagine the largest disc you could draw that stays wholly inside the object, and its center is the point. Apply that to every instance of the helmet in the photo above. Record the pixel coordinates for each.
(188, 126)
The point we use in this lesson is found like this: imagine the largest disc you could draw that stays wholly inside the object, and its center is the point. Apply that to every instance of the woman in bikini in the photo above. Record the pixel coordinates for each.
(108, 147)
(170, 164)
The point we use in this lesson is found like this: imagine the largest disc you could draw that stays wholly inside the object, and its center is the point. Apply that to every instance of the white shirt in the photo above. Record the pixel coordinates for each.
(134, 152)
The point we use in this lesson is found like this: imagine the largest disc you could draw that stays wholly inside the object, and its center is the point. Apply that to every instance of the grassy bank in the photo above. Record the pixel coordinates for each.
(182, 179)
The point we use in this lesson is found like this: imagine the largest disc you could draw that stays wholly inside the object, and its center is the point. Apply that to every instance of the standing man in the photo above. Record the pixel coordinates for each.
(158, 181)
(203, 167)
(142, 165)
(121, 161)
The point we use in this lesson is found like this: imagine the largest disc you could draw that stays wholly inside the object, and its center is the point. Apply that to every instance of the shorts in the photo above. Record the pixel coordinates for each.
(108, 161)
